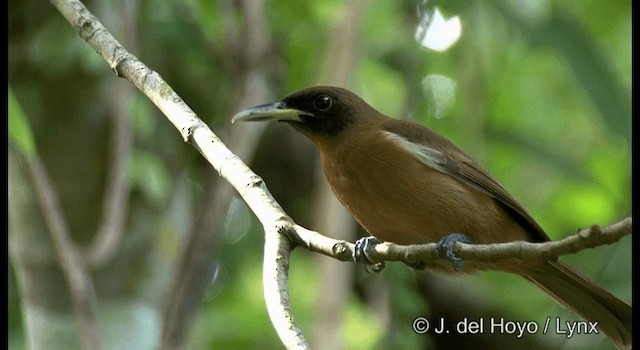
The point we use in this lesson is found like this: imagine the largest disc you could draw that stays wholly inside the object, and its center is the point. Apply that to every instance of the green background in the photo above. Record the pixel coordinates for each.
(542, 98)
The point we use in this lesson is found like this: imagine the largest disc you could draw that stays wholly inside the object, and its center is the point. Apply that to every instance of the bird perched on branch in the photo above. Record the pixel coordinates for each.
(408, 185)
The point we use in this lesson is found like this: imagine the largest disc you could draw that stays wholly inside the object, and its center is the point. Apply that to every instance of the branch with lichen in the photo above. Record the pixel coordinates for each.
(282, 234)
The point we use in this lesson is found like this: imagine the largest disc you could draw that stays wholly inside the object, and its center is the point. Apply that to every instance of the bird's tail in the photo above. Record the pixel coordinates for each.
(587, 299)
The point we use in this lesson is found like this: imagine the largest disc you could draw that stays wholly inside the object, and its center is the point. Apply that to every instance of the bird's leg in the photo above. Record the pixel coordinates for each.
(363, 250)
(446, 244)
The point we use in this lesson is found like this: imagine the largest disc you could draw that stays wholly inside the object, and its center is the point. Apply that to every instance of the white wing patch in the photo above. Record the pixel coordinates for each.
(431, 157)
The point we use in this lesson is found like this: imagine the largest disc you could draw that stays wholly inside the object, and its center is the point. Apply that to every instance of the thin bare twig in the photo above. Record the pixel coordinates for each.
(193, 130)
(72, 263)
(413, 254)
(190, 277)
(106, 242)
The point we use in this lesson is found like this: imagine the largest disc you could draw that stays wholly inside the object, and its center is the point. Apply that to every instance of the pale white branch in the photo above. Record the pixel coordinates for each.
(414, 254)
(250, 186)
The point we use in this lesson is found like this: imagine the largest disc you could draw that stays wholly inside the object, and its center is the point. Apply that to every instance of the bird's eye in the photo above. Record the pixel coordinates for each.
(323, 102)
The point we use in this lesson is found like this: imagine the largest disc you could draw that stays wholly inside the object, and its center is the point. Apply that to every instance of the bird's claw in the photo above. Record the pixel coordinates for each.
(362, 253)
(445, 245)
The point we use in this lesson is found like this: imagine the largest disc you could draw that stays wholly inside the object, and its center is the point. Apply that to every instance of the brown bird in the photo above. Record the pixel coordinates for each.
(408, 185)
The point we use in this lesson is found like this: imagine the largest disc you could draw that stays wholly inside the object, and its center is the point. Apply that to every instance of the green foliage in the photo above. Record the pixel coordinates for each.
(389, 93)
(538, 92)
(150, 175)
(19, 130)
(360, 320)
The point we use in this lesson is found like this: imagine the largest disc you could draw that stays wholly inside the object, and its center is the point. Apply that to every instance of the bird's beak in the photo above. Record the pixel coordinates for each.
(271, 111)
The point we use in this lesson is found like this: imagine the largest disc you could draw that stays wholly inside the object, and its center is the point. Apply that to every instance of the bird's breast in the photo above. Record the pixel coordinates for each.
(398, 198)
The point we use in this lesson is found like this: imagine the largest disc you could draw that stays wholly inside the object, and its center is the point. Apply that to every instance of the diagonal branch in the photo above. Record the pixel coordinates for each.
(106, 243)
(193, 130)
(71, 261)
(198, 254)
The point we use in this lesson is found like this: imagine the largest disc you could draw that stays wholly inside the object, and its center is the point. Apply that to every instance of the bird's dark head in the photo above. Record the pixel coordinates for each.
(315, 111)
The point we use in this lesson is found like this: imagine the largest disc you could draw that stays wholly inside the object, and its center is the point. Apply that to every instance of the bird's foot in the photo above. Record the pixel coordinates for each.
(445, 246)
(363, 251)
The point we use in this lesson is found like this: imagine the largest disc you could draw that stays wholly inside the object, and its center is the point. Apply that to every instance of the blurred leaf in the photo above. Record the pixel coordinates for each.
(587, 204)
(145, 119)
(530, 144)
(210, 19)
(329, 11)
(57, 51)
(563, 32)
(19, 130)
(611, 164)
(361, 328)
(149, 174)
(388, 93)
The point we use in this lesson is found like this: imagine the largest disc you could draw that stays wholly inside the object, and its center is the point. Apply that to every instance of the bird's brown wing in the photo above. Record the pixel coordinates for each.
(439, 153)
(470, 172)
